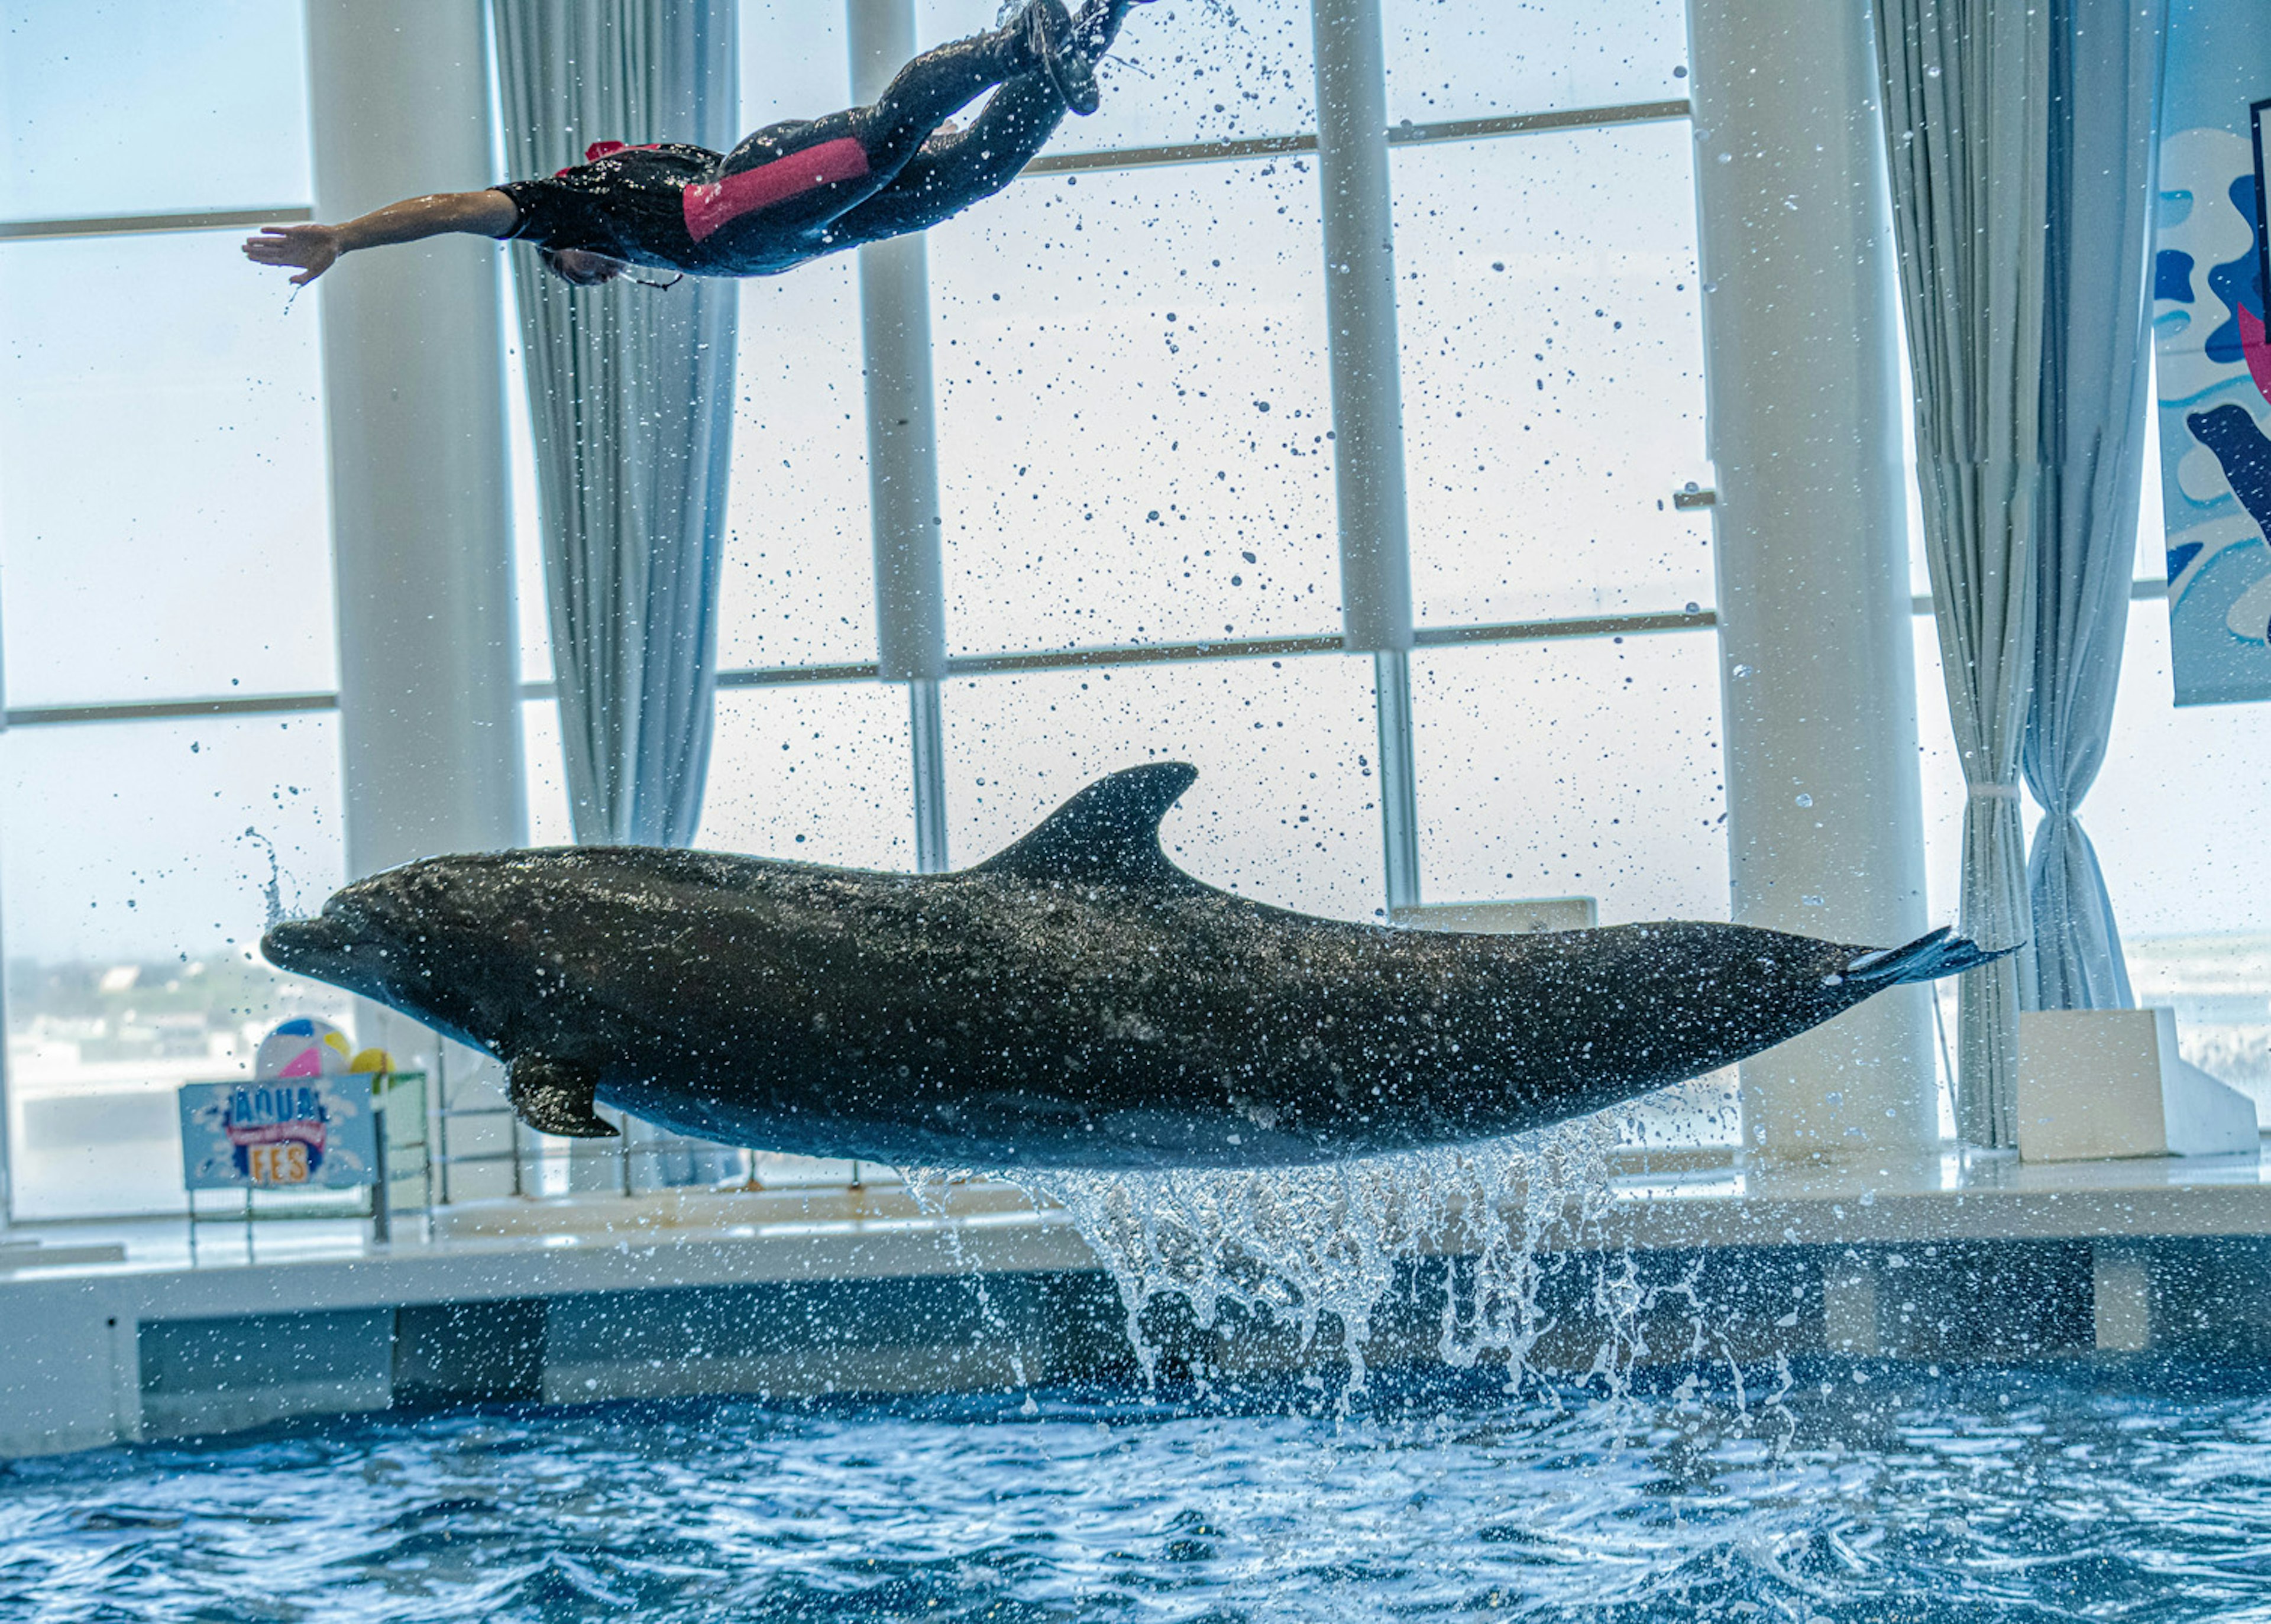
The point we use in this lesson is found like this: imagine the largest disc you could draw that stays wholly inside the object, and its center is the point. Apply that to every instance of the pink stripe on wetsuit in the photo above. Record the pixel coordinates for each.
(711, 206)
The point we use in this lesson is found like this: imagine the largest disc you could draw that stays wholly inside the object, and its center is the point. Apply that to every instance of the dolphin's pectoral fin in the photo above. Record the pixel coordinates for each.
(554, 1096)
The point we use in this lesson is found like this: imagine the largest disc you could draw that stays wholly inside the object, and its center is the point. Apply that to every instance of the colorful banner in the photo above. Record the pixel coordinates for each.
(2212, 261)
(299, 1133)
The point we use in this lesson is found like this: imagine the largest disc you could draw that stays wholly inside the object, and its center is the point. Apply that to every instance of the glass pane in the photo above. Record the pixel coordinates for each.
(163, 510)
(799, 586)
(2177, 817)
(548, 774)
(135, 106)
(1580, 768)
(1552, 375)
(794, 63)
(1943, 780)
(823, 774)
(1199, 70)
(1283, 809)
(1134, 405)
(1481, 58)
(134, 872)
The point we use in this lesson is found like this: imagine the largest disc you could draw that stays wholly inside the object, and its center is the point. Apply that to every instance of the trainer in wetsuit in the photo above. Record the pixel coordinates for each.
(789, 193)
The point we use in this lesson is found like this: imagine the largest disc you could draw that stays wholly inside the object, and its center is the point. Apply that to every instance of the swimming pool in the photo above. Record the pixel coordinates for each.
(1864, 1492)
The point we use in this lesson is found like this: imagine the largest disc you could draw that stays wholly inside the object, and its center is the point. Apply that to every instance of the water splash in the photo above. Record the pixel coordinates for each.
(1304, 1244)
(931, 1189)
(272, 891)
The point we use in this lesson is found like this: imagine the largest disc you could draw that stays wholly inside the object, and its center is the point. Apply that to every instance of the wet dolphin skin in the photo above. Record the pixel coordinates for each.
(1076, 1002)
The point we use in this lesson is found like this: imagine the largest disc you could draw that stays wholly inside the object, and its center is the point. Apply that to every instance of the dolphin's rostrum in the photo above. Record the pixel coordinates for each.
(1076, 1002)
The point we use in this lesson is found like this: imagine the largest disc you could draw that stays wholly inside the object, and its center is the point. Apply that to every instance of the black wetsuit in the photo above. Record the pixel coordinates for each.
(793, 191)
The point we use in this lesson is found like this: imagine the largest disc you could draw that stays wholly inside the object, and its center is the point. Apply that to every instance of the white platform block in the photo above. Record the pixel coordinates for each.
(1502, 919)
(2095, 1083)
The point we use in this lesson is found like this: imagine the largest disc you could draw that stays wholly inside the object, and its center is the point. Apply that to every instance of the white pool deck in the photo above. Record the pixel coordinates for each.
(76, 1298)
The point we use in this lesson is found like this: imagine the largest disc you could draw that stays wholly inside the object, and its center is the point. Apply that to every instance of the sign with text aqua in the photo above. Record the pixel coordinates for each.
(295, 1133)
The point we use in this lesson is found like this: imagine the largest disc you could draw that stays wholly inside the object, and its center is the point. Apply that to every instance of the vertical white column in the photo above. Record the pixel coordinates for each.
(1360, 231)
(414, 392)
(413, 387)
(1825, 820)
(903, 449)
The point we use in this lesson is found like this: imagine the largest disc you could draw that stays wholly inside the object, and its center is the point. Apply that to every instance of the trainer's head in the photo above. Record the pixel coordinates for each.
(581, 265)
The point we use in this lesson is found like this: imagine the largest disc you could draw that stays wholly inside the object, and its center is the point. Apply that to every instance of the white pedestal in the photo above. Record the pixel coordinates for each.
(2095, 1083)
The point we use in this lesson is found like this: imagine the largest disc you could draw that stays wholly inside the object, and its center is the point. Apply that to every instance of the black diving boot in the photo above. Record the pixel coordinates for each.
(1098, 24)
(1056, 48)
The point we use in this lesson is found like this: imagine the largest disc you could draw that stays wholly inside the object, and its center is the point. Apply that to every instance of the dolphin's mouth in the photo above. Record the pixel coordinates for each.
(300, 946)
(334, 947)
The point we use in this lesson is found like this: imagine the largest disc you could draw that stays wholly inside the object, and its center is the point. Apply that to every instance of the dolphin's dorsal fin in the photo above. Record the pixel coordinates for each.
(1109, 833)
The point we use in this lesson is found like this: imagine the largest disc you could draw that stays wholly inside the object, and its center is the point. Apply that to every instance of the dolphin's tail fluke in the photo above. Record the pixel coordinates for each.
(1927, 958)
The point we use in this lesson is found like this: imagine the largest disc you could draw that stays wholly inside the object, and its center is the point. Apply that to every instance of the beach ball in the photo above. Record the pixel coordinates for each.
(305, 1047)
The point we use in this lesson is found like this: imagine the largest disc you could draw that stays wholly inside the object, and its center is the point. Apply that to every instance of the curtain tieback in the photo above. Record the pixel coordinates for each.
(1992, 792)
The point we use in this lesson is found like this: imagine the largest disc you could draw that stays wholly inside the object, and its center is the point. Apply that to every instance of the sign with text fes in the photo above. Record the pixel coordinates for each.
(304, 1121)
(304, 1133)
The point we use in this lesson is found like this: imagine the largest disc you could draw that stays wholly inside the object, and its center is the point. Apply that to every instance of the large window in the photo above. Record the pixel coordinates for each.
(165, 610)
(1135, 450)
(1133, 407)
(1552, 374)
(1138, 519)
(151, 107)
(1137, 507)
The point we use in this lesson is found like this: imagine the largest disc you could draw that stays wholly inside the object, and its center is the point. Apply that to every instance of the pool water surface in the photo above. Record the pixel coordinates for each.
(1871, 1493)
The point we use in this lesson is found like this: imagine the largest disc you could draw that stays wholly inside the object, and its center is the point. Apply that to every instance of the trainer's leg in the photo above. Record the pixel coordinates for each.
(785, 185)
(939, 84)
(1098, 26)
(952, 172)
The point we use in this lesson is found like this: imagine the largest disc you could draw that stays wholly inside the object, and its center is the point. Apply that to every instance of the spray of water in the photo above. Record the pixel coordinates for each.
(272, 891)
(1319, 1248)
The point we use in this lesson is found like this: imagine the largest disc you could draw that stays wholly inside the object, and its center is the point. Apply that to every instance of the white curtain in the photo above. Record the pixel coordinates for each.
(1966, 109)
(2105, 79)
(631, 396)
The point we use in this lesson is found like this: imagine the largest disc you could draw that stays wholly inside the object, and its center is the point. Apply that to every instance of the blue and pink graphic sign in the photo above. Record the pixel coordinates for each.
(306, 1133)
(2212, 262)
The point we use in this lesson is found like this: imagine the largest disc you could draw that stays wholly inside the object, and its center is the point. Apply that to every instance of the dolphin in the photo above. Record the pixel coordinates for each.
(1076, 1002)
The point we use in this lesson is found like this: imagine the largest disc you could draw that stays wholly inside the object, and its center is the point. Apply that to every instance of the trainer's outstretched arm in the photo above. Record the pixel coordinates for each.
(313, 248)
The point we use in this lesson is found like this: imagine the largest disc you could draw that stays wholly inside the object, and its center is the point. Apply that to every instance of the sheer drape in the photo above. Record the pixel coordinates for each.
(631, 396)
(2105, 79)
(1966, 108)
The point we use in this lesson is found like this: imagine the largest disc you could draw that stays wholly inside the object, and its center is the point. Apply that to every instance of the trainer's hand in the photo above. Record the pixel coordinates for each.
(311, 248)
